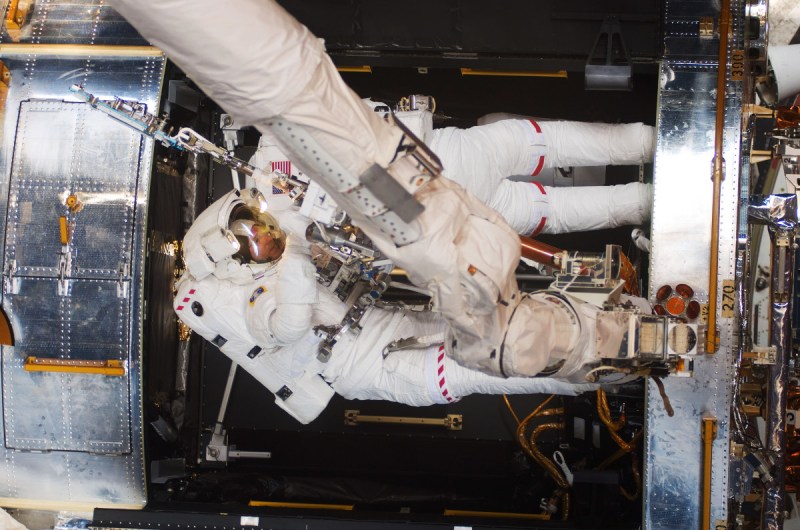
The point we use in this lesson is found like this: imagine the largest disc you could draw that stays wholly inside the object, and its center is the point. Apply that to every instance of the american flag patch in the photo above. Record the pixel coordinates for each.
(283, 166)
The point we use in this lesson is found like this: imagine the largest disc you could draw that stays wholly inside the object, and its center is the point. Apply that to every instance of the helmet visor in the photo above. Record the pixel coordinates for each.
(260, 238)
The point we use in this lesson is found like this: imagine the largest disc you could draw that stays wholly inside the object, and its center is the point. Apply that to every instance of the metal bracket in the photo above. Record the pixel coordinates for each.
(331, 334)
(231, 132)
(11, 281)
(16, 17)
(123, 282)
(453, 422)
(763, 355)
(64, 269)
(218, 450)
(615, 70)
(111, 367)
(706, 29)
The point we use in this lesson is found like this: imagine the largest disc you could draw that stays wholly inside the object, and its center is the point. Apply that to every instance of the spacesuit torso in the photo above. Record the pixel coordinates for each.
(226, 313)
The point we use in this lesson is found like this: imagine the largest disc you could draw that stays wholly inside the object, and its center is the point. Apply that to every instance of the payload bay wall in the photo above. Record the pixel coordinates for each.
(72, 440)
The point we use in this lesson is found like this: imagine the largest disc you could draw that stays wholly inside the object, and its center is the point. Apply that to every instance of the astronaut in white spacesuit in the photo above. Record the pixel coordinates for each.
(262, 305)
(266, 69)
(482, 158)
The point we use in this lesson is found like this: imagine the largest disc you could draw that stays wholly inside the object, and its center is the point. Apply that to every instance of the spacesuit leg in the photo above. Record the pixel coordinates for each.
(421, 377)
(399, 357)
(266, 69)
(481, 158)
(572, 143)
(533, 209)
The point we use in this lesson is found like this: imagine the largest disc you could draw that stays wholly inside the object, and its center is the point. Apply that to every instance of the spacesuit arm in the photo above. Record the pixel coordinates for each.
(287, 318)
(296, 294)
(257, 62)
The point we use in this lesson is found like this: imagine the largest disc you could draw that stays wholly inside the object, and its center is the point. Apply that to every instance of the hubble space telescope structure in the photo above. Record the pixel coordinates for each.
(110, 406)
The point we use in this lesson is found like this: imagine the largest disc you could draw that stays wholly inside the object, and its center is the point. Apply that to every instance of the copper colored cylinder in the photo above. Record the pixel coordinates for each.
(540, 252)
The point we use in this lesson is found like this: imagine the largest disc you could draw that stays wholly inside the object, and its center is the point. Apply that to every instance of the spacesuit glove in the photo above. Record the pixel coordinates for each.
(261, 180)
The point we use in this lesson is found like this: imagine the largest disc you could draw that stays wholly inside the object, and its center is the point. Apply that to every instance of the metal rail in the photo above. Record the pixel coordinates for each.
(712, 337)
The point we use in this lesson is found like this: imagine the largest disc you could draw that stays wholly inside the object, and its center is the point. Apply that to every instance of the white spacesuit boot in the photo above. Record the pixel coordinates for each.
(282, 82)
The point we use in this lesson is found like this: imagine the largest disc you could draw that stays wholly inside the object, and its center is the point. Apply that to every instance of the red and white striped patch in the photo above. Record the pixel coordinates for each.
(440, 373)
(186, 300)
(283, 166)
(539, 186)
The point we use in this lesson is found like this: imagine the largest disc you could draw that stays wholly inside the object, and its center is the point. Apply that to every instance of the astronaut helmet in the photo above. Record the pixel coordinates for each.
(258, 233)
(235, 238)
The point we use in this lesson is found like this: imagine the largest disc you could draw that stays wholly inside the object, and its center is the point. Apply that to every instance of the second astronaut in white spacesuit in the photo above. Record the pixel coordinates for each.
(482, 158)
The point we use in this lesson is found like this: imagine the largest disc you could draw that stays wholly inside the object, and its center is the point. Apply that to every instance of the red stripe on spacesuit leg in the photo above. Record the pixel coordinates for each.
(536, 126)
(539, 185)
(539, 227)
(543, 219)
(539, 167)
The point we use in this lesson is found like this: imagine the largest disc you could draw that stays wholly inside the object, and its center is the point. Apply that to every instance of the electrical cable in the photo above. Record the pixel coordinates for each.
(510, 408)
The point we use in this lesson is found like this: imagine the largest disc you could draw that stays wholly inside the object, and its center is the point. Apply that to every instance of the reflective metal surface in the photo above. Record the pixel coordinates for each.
(73, 439)
(71, 22)
(779, 212)
(680, 254)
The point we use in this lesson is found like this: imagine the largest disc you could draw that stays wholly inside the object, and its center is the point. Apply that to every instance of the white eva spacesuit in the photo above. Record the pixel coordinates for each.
(262, 316)
(268, 70)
